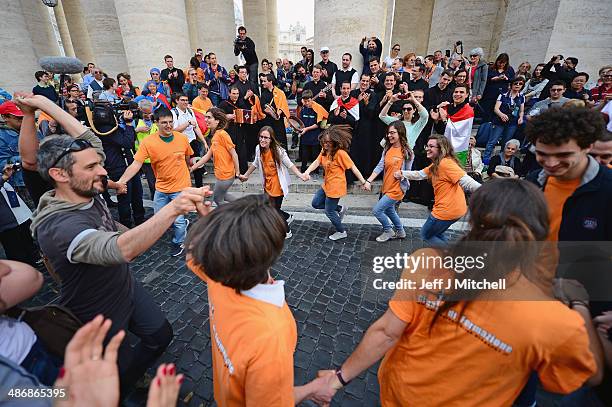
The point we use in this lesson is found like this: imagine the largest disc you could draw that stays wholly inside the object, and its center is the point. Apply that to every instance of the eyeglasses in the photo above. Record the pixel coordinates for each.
(428, 147)
(183, 100)
(264, 138)
(407, 109)
(606, 76)
(556, 90)
(77, 145)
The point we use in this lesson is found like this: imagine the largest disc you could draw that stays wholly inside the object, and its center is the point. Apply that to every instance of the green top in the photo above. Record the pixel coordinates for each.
(141, 135)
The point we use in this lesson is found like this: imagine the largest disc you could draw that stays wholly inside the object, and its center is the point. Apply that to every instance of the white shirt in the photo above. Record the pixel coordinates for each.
(16, 339)
(181, 118)
(90, 90)
(388, 62)
(608, 110)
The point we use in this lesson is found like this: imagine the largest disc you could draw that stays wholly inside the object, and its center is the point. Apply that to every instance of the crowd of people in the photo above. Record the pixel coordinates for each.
(406, 120)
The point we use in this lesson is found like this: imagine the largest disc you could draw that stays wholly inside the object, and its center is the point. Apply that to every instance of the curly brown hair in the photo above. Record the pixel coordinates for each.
(340, 136)
(559, 125)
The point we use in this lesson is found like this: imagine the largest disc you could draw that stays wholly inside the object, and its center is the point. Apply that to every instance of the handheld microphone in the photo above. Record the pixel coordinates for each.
(61, 65)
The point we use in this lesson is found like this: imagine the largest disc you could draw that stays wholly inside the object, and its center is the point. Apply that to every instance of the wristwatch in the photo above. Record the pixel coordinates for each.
(340, 378)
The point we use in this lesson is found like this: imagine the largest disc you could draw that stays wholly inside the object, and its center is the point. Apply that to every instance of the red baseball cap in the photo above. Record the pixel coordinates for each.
(9, 107)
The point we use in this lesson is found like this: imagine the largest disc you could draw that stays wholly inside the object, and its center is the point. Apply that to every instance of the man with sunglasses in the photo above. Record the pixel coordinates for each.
(556, 99)
(328, 68)
(90, 252)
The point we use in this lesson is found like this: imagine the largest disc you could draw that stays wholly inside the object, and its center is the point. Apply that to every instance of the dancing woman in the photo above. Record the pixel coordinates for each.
(397, 156)
(272, 161)
(449, 180)
(225, 158)
(335, 160)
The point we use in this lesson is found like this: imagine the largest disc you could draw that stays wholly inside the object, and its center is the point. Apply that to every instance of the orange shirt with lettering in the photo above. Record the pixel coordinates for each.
(221, 146)
(334, 182)
(253, 342)
(556, 193)
(484, 355)
(393, 162)
(449, 196)
(168, 161)
(268, 165)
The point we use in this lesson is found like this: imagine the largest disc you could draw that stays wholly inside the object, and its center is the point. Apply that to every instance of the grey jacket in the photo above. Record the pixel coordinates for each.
(480, 78)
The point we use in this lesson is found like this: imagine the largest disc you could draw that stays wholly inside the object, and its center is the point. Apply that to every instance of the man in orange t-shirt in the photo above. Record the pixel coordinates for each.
(169, 152)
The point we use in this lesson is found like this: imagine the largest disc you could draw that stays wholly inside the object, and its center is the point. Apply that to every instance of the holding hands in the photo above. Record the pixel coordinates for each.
(305, 177)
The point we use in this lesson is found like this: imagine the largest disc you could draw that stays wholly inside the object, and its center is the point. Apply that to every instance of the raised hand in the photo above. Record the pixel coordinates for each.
(192, 199)
(164, 389)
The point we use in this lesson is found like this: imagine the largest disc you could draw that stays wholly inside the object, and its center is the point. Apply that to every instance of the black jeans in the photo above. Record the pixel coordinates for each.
(147, 170)
(130, 205)
(150, 325)
(198, 175)
(277, 202)
(309, 154)
(19, 245)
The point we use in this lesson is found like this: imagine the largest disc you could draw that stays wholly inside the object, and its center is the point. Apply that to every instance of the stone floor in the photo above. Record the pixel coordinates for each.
(328, 288)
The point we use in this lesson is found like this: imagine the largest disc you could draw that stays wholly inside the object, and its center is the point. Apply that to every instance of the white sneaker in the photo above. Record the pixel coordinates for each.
(290, 219)
(401, 234)
(288, 235)
(343, 212)
(338, 236)
(384, 236)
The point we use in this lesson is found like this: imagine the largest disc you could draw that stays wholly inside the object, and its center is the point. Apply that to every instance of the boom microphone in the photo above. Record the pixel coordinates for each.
(65, 65)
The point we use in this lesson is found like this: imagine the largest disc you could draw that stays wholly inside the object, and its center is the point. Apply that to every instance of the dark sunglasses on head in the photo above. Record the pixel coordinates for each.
(77, 145)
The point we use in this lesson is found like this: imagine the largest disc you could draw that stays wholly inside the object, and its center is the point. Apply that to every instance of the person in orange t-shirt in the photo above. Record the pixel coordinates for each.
(253, 333)
(273, 162)
(335, 160)
(223, 151)
(169, 152)
(448, 180)
(202, 103)
(466, 347)
(396, 156)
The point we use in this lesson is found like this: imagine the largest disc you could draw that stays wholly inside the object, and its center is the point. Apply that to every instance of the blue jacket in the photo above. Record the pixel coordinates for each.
(119, 147)
(9, 152)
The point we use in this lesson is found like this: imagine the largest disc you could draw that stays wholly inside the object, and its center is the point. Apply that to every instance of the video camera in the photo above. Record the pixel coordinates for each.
(104, 116)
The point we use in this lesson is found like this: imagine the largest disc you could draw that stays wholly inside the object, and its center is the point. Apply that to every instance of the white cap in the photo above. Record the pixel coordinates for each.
(324, 49)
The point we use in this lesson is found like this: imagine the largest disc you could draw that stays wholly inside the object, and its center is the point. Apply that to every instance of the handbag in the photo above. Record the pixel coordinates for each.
(53, 324)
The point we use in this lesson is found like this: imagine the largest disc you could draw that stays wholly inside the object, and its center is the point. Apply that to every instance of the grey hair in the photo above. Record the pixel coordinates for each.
(145, 103)
(477, 51)
(51, 148)
(513, 141)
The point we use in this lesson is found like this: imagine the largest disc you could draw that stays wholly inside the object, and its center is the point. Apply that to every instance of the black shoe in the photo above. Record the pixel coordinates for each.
(177, 250)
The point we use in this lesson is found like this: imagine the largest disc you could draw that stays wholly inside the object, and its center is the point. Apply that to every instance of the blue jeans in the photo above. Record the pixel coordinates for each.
(385, 212)
(505, 132)
(180, 224)
(214, 98)
(42, 364)
(332, 209)
(433, 231)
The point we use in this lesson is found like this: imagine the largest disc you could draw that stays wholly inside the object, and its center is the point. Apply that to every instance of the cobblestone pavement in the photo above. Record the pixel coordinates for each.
(328, 288)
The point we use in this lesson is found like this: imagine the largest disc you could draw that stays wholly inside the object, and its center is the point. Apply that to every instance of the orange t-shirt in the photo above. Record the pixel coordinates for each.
(485, 355)
(556, 193)
(202, 105)
(268, 165)
(223, 162)
(393, 162)
(334, 183)
(253, 342)
(449, 197)
(168, 161)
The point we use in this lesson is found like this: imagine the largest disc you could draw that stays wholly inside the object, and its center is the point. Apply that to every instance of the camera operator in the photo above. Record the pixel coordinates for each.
(246, 46)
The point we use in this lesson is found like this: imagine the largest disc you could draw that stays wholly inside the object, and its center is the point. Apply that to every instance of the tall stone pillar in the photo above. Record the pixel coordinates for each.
(341, 27)
(105, 35)
(62, 26)
(212, 27)
(79, 35)
(38, 20)
(255, 20)
(470, 21)
(146, 42)
(18, 60)
(406, 13)
(272, 11)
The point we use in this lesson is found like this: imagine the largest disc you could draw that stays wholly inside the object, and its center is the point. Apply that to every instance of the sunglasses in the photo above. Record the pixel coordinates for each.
(407, 109)
(396, 49)
(74, 147)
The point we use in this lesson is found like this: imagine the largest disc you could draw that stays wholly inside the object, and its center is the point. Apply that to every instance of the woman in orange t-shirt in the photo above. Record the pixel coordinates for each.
(463, 346)
(223, 150)
(334, 159)
(273, 163)
(253, 333)
(449, 180)
(396, 156)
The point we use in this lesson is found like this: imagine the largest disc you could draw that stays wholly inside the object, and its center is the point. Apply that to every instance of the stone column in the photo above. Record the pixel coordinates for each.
(255, 20)
(18, 60)
(272, 30)
(575, 28)
(411, 37)
(212, 27)
(62, 26)
(341, 27)
(471, 21)
(145, 42)
(38, 20)
(105, 35)
(78, 31)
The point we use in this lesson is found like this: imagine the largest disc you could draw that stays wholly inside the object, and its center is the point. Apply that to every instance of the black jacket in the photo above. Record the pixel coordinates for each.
(118, 147)
(247, 47)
